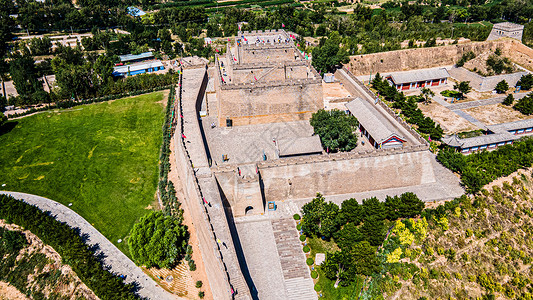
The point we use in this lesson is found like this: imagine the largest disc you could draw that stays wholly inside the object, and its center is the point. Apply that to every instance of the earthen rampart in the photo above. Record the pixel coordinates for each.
(419, 58)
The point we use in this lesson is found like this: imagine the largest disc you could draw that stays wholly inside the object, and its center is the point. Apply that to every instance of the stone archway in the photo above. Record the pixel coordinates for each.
(248, 210)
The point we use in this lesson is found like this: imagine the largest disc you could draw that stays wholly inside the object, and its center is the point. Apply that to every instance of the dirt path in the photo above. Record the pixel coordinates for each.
(9, 292)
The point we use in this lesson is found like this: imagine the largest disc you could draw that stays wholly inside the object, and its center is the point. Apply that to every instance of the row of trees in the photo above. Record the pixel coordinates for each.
(69, 244)
(408, 107)
(483, 167)
(357, 229)
(79, 75)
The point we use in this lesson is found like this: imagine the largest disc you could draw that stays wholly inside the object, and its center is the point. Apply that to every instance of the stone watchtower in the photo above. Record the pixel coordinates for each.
(506, 29)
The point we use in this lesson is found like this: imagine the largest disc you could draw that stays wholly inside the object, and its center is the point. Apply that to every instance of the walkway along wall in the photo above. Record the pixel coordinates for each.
(220, 280)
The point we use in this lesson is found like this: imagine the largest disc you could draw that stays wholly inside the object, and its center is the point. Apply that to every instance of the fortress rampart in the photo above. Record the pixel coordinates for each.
(419, 58)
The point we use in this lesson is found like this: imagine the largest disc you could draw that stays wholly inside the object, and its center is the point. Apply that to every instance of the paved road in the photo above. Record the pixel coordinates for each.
(117, 260)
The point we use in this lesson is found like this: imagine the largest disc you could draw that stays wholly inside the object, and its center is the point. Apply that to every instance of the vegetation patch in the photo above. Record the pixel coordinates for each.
(68, 244)
(123, 137)
(480, 168)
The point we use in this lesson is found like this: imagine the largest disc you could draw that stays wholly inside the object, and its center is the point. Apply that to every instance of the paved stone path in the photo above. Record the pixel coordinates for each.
(114, 258)
(469, 118)
(298, 282)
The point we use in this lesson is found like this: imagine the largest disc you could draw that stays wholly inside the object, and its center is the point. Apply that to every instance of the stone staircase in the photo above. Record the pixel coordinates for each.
(298, 282)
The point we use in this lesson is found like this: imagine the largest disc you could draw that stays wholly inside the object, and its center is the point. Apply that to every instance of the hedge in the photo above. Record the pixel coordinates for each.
(306, 249)
(70, 245)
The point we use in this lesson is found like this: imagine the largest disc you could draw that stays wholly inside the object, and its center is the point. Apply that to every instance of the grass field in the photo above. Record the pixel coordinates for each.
(102, 158)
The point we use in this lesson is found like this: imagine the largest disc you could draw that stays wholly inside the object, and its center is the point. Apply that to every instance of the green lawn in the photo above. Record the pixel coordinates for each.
(102, 158)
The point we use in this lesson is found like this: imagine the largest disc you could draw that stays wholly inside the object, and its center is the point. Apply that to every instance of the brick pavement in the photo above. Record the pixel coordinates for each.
(298, 282)
(118, 262)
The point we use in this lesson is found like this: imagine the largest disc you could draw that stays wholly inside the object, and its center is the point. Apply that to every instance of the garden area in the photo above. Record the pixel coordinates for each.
(101, 160)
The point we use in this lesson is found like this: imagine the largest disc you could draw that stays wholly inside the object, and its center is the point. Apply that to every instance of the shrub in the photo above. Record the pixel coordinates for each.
(501, 87)
(525, 105)
(201, 294)
(318, 288)
(299, 227)
(309, 261)
(314, 274)
(306, 249)
(296, 217)
(192, 265)
(508, 100)
(302, 237)
(199, 284)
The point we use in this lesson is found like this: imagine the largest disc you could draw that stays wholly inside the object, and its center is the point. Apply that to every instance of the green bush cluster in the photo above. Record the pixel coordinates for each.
(309, 261)
(408, 107)
(306, 249)
(166, 187)
(296, 217)
(69, 244)
(480, 168)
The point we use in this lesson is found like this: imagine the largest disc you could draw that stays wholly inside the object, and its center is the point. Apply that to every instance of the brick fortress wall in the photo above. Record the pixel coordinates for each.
(419, 58)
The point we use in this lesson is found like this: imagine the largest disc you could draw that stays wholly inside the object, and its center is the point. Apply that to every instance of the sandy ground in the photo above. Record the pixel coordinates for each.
(448, 120)
(9, 292)
(335, 95)
(495, 114)
(182, 281)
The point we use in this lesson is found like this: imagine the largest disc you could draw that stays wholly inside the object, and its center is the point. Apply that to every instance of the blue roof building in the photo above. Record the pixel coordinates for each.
(136, 57)
(140, 68)
(135, 11)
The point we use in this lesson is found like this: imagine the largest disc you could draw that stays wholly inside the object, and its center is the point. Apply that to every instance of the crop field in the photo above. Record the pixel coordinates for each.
(100, 159)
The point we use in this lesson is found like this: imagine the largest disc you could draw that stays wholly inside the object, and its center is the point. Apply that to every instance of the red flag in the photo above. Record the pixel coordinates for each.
(282, 25)
(216, 50)
(183, 136)
(255, 78)
(235, 59)
(205, 201)
(181, 116)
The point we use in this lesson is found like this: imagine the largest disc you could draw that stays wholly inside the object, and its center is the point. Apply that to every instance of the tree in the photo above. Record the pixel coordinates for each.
(502, 87)
(328, 54)
(525, 82)
(364, 259)
(336, 129)
(373, 230)
(508, 100)
(351, 212)
(372, 207)
(320, 217)
(428, 94)
(463, 87)
(525, 105)
(158, 241)
(24, 74)
(348, 236)
(410, 205)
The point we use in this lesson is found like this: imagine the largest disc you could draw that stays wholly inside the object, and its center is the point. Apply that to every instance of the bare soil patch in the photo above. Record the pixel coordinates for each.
(495, 114)
(448, 120)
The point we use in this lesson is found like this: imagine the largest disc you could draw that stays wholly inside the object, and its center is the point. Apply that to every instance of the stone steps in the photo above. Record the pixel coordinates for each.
(300, 288)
